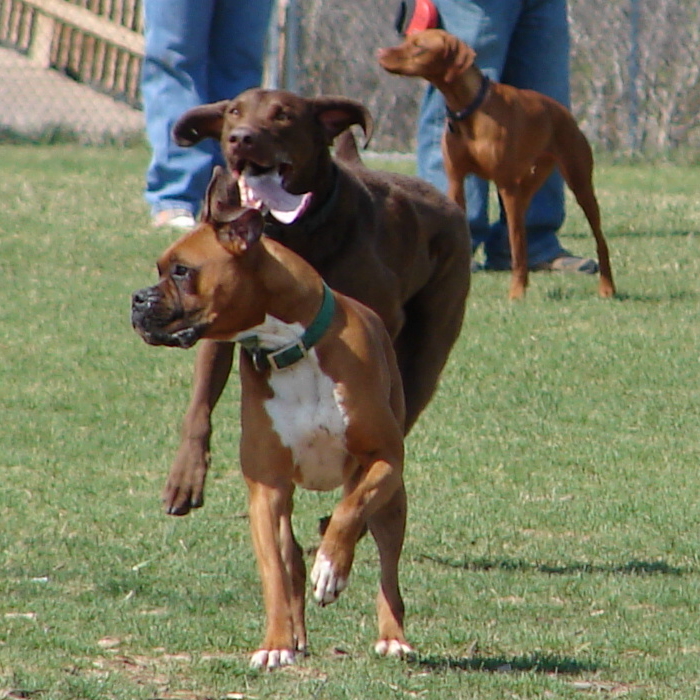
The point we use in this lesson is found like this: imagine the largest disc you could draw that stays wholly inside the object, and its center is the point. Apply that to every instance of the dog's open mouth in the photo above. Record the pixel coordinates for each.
(263, 188)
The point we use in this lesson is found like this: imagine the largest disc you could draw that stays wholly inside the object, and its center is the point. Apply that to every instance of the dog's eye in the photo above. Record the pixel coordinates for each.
(180, 271)
(281, 115)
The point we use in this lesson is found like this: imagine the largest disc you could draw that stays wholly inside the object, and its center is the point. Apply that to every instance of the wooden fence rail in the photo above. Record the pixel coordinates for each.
(98, 42)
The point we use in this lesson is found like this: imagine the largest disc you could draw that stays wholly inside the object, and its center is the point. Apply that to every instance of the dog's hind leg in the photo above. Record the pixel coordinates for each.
(388, 526)
(433, 320)
(577, 169)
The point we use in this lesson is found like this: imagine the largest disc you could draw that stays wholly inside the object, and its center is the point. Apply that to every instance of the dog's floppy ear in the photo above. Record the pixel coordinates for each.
(237, 228)
(241, 231)
(337, 114)
(459, 57)
(199, 123)
(222, 198)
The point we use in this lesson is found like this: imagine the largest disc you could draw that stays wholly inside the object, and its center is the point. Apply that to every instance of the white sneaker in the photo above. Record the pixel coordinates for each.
(175, 218)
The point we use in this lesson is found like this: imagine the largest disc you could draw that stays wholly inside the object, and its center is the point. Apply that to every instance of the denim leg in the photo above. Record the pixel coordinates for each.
(431, 124)
(237, 65)
(173, 80)
(478, 24)
(196, 52)
(538, 59)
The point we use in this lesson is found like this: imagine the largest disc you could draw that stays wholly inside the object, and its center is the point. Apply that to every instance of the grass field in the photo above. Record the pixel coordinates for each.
(553, 546)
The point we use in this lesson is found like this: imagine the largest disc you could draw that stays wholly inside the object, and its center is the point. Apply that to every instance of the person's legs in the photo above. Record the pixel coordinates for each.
(537, 59)
(239, 30)
(485, 25)
(524, 43)
(173, 80)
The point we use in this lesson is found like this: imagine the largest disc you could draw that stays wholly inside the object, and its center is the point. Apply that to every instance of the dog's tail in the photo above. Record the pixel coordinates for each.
(346, 148)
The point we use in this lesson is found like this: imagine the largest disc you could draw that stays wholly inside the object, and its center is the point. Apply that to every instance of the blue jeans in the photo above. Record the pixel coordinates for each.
(524, 43)
(197, 51)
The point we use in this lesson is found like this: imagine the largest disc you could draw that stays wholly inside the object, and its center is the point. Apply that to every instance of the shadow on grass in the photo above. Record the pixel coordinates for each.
(625, 234)
(537, 663)
(680, 295)
(631, 568)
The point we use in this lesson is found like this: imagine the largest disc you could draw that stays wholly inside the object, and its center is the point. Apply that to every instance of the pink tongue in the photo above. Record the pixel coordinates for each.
(267, 188)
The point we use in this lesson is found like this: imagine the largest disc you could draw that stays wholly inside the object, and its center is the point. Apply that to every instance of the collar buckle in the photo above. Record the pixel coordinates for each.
(276, 360)
(287, 356)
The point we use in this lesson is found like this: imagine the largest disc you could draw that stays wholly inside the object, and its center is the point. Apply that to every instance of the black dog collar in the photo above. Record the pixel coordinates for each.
(473, 105)
(264, 358)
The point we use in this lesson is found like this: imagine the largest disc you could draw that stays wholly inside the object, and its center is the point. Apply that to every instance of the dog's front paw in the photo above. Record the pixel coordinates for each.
(328, 583)
(272, 658)
(396, 648)
(184, 488)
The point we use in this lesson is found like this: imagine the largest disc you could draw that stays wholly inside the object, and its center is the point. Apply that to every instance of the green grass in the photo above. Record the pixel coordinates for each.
(553, 541)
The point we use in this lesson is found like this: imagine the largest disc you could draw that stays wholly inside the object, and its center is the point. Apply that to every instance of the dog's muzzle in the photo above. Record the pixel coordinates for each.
(151, 323)
(144, 304)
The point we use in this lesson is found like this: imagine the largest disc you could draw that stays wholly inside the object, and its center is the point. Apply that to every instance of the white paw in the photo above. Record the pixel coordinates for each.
(393, 647)
(327, 584)
(272, 658)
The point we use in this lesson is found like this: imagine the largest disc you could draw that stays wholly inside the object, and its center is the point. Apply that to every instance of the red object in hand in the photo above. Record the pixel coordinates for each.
(415, 16)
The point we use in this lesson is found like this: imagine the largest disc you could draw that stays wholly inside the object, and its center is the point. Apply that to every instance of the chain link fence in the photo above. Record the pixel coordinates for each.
(70, 68)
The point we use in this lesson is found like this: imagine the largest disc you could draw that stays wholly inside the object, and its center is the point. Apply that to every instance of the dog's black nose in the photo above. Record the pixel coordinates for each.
(143, 299)
(242, 135)
(139, 298)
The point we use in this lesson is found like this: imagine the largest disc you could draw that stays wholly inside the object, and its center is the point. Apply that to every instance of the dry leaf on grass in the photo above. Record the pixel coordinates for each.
(611, 688)
(109, 642)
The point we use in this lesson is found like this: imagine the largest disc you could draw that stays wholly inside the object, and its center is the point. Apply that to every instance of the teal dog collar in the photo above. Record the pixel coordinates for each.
(264, 358)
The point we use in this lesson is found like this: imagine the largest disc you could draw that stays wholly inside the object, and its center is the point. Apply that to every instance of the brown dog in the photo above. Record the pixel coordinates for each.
(500, 133)
(321, 407)
(391, 241)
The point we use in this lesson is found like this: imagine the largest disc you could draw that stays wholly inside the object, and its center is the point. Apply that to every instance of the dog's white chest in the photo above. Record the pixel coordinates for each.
(307, 413)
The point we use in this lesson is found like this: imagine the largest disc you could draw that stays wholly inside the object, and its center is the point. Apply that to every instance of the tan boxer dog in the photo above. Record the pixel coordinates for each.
(322, 406)
(500, 133)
